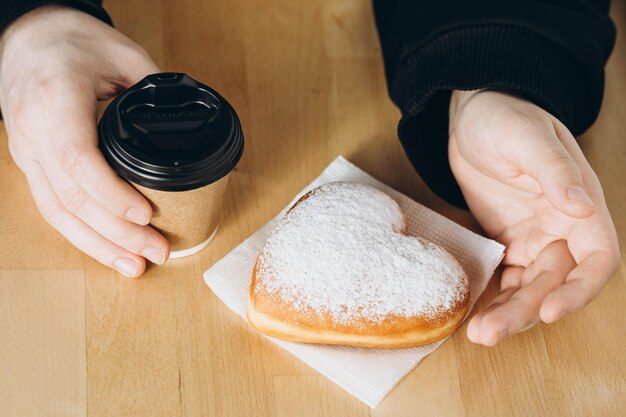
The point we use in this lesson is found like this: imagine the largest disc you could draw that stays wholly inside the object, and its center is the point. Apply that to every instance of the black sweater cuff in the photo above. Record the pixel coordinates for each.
(11, 10)
(502, 57)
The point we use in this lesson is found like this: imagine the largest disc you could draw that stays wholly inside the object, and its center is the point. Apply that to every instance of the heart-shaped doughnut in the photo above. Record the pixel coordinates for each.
(340, 269)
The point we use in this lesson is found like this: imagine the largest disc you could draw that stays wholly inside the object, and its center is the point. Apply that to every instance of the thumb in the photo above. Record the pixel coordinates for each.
(136, 66)
(559, 177)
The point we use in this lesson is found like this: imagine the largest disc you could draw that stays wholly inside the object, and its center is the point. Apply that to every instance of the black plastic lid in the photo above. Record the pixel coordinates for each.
(169, 132)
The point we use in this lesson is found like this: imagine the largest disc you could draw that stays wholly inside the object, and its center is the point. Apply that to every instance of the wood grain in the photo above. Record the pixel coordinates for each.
(306, 77)
(43, 367)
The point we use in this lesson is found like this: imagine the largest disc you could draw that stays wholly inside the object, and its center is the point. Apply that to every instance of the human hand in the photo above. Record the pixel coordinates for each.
(55, 64)
(530, 187)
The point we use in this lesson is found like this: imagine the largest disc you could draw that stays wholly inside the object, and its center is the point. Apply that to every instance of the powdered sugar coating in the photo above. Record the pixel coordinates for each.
(341, 252)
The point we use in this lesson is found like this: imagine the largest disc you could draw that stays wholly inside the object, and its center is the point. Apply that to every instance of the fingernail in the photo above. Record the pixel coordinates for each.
(577, 195)
(126, 267)
(137, 215)
(155, 255)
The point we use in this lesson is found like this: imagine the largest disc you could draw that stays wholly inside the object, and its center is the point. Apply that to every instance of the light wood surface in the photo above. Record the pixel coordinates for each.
(307, 80)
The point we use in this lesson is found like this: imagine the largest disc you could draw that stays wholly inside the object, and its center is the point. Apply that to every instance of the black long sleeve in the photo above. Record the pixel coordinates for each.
(12, 9)
(551, 52)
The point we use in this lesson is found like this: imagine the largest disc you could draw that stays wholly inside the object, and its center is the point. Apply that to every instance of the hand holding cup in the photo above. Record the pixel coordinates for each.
(55, 64)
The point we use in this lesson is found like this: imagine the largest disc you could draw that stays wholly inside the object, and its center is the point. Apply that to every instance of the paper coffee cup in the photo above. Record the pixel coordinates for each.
(176, 141)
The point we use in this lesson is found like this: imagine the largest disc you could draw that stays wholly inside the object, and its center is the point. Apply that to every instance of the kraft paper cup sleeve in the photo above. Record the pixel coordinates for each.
(187, 219)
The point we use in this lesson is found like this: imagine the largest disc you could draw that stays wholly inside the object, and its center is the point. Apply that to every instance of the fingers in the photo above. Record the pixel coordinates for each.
(546, 160)
(509, 284)
(77, 232)
(89, 189)
(583, 284)
(511, 278)
(476, 331)
(517, 308)
(73, 129)
(140, 240)
(85, 164)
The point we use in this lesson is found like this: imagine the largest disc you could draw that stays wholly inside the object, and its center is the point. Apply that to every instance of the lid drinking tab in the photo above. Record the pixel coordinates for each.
(172, 133)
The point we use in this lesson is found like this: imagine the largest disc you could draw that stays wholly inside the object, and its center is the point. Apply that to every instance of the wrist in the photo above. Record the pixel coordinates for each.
(459, 99)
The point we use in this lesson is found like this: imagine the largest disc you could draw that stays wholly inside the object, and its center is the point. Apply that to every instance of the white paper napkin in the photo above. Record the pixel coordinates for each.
(368, 374)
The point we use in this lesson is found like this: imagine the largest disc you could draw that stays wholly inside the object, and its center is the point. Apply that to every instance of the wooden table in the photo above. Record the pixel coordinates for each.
(77, 339)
